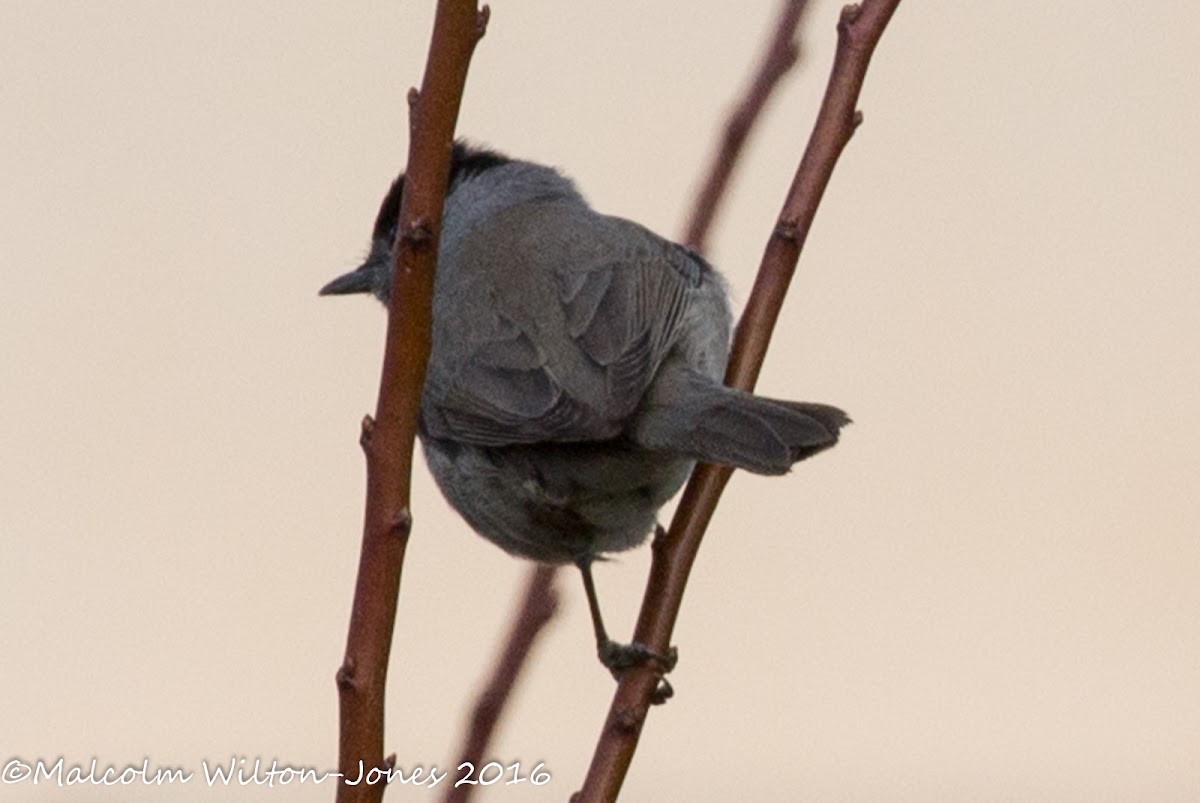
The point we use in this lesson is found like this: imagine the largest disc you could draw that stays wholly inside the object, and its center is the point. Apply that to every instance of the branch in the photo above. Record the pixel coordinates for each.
(539, 607)
(387, 439)
(780, 56)
(859, 29)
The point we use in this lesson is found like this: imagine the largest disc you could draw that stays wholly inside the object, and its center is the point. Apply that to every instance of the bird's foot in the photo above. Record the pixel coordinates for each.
(621, 657)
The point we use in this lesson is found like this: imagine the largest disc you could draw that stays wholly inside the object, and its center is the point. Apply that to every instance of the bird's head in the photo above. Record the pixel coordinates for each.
(374, 275)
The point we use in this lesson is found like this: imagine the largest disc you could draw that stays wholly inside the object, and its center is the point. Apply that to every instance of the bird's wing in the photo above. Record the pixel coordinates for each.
(573, 364)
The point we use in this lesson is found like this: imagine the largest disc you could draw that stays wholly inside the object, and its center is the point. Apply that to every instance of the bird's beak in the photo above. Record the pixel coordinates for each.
(356, 281)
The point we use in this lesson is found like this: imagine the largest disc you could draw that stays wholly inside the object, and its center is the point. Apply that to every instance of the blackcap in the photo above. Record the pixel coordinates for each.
(575, 371)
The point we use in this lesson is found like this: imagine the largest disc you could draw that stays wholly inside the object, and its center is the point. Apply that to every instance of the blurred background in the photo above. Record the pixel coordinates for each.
(988, 592)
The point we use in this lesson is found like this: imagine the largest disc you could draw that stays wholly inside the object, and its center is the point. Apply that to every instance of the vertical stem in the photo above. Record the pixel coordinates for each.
(388, 438)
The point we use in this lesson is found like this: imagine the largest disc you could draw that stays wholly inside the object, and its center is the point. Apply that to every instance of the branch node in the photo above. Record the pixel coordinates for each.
(345, 678)
(367, 433)
(402, 523)
(787, 230)
(481, 21)
(850, 15)
(389, 763)
(857, 120)
(660, 544)
(627, 720)
(414, 97)
(419, 234)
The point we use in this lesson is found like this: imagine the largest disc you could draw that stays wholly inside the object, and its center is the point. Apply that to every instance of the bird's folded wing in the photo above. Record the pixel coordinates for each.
(576, 374)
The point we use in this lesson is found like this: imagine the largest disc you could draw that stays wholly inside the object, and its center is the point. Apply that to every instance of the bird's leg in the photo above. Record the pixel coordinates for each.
(618, 657)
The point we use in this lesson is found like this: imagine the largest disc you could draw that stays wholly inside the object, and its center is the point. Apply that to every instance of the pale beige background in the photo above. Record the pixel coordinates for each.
(988, 592)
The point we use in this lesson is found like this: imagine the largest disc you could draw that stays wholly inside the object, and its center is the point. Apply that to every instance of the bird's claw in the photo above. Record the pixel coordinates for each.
(621, 657)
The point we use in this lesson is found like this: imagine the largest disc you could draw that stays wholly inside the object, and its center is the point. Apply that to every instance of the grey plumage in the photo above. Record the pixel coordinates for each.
(576, 364)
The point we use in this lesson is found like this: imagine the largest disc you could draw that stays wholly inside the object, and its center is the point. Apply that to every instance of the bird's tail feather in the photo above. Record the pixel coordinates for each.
(718, 424)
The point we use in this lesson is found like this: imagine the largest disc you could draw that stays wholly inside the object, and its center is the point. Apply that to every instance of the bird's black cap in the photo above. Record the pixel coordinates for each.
(466, 160)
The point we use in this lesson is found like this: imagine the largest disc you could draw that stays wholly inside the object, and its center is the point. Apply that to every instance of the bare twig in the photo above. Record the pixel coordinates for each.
(859, 29)
(539, 606)
(781, 55)
(388, 438)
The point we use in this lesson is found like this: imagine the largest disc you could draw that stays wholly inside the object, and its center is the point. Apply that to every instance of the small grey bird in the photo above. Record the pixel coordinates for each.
(575, 371)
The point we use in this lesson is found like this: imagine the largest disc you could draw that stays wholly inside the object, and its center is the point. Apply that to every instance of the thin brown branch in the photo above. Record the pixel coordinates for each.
(859, 30)
(781, 55)
(538, 608)
(388, 438)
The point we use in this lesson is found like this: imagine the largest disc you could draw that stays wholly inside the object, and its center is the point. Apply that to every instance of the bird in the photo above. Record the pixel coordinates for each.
(574, 374)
